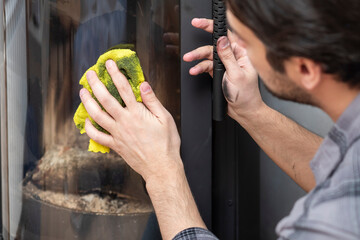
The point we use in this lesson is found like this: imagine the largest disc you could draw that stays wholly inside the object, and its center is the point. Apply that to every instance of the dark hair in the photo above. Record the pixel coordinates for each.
(326, 31)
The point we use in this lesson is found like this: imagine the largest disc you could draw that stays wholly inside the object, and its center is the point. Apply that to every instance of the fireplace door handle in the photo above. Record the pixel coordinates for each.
(219, 105)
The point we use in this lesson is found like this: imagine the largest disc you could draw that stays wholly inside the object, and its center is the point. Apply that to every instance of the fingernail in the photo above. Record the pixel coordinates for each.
(82, 92)
(110, 63)
(187, 55)
(90, 75)
(194, 70)
(223, 42)
(145, 87)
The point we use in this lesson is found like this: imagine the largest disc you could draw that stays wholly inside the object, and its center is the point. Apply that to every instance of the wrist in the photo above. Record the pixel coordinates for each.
(249, 117)
(173, 202)
(166, 177)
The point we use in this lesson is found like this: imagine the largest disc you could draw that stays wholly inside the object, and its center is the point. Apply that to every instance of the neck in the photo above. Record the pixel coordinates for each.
(335, 97)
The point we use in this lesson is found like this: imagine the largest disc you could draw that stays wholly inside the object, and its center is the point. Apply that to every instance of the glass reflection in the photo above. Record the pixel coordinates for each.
(52, 187)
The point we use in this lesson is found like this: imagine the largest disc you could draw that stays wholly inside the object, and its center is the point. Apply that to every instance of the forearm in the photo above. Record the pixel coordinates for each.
(289, 145)
(174, 204)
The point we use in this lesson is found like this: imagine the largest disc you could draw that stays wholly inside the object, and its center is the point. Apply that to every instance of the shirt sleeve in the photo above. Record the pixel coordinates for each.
(195, 234)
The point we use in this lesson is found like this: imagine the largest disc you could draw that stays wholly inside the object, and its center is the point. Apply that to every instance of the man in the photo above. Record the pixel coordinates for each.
(306, 51)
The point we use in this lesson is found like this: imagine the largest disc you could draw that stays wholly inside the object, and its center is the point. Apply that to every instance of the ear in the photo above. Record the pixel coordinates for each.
(305, 72)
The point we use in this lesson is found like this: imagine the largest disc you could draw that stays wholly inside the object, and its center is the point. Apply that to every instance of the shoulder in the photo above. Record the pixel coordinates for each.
(349, 168)
(332, 209)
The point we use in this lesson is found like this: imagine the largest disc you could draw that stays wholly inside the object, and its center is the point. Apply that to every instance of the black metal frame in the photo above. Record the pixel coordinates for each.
(220, 29)
(196, 114)
(221, 160)
(236, 182)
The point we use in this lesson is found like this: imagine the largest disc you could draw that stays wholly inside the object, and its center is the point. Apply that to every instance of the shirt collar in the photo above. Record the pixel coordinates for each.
(348, 122)
(336, 143)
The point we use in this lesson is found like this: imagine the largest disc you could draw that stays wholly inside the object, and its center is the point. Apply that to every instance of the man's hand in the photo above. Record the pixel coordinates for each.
(144, 134)
(240, 83)
(289, 145)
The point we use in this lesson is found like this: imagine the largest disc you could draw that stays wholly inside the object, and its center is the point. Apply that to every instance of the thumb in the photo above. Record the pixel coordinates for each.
(150, 100)
(227, 56)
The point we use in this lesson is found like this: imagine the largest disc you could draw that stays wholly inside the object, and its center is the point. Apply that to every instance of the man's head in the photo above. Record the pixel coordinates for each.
(296, 44)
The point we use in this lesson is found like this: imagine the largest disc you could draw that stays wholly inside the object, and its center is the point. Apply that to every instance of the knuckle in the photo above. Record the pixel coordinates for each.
(85, 97)
(96, 115)
(137, 115)
(206, 66)
(210, 50)
(117, 75)
(98, 88)
(85, 100)
(105, 101)
(168, 117)
(95, 136)
(95, 85)
(112, 110)
(122, 88)
(199, 67)
(227, 54)
(155, 100)
(209, 65)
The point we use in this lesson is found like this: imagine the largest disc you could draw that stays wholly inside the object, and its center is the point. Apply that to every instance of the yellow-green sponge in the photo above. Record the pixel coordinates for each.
(129, 65)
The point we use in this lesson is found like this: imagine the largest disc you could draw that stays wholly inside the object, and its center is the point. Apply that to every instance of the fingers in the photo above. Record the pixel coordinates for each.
(121, 83)
(205, 52)
(238, 46)
(94, 110)
(172, 40)
(151, 101)
(173, 50)
(234, 38)
(97, 136)
(203, 67)
(204, 24)
(238, 50)
(228, 58)
(110, 104)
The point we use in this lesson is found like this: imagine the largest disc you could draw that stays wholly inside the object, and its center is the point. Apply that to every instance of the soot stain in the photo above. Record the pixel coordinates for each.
(226, 92)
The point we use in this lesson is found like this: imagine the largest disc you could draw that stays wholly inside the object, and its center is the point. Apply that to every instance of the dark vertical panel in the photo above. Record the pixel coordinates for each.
(224, 174)
(235, 182)
(196, 125)
(247, 187)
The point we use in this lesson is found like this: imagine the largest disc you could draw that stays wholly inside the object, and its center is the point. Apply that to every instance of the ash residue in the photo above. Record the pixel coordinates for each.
(91, 203)
(87, 182)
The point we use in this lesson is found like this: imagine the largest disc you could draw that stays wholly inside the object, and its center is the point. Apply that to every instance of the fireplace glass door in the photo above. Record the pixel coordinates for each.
(52, 187)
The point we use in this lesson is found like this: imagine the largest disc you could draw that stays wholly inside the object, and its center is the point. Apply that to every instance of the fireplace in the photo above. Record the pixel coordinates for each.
(51, 186)
(56, 189)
